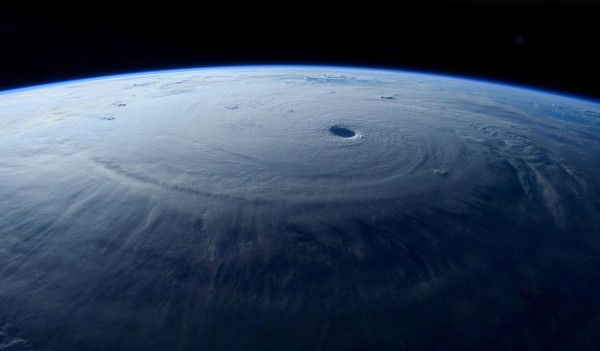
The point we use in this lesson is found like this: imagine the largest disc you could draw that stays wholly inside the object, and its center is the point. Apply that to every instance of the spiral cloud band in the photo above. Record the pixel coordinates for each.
(317, 207)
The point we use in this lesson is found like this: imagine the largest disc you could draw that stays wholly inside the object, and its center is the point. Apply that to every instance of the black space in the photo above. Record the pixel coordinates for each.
(543, 45)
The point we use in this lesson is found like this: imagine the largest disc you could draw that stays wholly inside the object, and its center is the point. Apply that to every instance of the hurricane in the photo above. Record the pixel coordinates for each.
(297, 207)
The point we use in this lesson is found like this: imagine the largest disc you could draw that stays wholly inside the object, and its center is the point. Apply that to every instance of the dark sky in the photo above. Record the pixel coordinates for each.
(533, 43)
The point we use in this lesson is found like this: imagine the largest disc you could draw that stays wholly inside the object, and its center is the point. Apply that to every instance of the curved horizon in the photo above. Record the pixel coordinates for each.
(516, 86)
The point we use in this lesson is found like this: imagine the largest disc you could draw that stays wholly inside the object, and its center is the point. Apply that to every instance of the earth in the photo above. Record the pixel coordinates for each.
(282, 208)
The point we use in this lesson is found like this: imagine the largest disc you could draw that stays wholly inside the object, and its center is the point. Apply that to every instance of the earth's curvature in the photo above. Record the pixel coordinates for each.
(281, 208)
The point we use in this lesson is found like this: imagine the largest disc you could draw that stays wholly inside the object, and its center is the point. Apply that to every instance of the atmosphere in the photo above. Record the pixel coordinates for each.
(545, 45)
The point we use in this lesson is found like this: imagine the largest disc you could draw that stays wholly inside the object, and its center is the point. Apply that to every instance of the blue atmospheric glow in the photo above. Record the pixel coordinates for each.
(327, 67)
